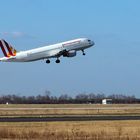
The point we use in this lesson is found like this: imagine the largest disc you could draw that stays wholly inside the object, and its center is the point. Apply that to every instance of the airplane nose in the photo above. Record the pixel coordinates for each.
(92, 43)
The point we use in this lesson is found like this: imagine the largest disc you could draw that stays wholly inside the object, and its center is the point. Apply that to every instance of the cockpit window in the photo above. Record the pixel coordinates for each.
(89, 40)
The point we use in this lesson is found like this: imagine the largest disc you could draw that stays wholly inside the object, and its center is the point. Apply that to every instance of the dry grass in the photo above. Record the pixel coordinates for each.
(65, 105)
(86, 109)
(92, 130)
(47, 112)
(103, 130)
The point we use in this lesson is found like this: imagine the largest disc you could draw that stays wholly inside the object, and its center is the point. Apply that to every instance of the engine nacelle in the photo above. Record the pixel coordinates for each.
(71, 53)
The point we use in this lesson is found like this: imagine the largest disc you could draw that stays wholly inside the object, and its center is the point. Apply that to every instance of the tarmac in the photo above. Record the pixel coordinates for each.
(68, 118)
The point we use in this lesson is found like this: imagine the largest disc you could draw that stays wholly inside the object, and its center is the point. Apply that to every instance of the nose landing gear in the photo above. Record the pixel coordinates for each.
(83, 52)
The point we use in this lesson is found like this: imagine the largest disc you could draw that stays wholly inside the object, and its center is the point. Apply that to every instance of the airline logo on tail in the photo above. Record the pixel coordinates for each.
(7, 49)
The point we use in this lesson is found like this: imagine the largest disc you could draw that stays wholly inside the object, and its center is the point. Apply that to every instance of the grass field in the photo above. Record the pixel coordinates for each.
(103, 130)
(68, 109)
(66, 105)
(91, 130)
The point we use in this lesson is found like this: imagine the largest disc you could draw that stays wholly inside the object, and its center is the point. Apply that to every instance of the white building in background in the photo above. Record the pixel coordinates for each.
(106, 101)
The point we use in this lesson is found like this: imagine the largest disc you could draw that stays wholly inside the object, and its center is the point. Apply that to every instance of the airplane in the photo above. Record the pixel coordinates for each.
(65, 49)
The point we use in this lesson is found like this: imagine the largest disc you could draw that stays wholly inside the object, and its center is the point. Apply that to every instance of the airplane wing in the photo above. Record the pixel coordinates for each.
(65, 53)
(57, 53)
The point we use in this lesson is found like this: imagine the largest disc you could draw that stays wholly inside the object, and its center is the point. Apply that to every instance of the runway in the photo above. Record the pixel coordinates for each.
(68, 118)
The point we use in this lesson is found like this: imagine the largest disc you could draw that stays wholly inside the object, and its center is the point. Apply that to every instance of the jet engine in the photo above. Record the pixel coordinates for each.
(71, 53)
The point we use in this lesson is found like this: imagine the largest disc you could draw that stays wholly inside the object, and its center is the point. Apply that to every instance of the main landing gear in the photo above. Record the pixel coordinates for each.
(57, 61)
(83, 52)
(47, 61)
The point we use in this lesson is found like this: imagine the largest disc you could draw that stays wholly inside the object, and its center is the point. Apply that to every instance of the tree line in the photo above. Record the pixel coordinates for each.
(82, 98)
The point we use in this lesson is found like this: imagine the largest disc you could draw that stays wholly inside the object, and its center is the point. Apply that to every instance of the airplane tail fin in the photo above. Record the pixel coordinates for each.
(7, 49)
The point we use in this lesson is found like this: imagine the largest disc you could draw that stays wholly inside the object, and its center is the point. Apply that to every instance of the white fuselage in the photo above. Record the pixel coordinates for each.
(50, 51)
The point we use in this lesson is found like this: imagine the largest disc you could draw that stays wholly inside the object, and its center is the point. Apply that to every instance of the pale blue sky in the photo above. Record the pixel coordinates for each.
(112, 66)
